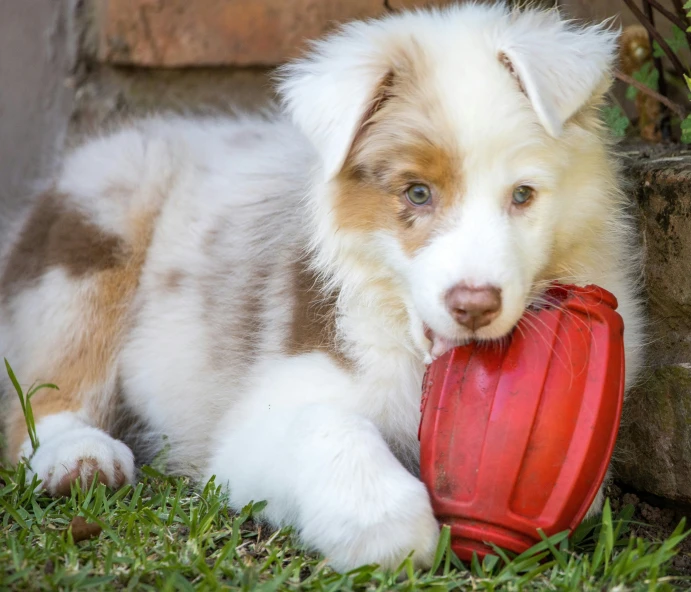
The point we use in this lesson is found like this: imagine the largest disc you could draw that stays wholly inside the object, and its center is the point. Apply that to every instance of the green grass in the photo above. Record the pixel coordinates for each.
(163, 534)
(25, 402)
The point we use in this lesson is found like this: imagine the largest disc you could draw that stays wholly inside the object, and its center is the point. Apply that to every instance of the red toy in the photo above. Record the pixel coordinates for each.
(519, 437)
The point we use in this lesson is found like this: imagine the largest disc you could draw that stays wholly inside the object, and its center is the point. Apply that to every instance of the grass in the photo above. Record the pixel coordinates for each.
(164, 534)
(25, 402)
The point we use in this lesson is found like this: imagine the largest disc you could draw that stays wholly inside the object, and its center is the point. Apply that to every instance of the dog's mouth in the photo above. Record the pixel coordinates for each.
(440, 344)
(550, 298)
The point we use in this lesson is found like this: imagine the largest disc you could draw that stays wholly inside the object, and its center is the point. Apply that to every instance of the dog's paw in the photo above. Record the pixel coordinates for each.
(80, 455)
(382, 530)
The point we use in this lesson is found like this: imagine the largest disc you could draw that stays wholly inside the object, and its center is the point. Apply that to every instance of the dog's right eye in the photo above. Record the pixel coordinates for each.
(418, 194)
(522, 195)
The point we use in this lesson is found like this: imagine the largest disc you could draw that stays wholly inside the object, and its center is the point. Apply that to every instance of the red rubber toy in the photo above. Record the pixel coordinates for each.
(519, 437)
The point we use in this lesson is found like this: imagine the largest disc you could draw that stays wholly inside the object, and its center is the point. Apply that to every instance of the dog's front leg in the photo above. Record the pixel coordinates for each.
(298, 442)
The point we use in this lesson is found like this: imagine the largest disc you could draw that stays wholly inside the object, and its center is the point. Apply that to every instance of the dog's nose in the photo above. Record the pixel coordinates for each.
(474, 307)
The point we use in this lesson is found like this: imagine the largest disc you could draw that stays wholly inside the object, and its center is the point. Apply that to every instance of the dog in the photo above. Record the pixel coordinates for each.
(263, 293)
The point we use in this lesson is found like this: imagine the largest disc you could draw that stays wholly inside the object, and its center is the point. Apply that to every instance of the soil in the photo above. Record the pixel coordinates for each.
(654, 519)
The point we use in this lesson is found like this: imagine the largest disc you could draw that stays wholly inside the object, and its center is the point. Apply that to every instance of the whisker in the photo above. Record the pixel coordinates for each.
(534, 317)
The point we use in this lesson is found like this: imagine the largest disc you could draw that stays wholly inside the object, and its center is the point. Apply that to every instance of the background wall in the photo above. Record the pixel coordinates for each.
(38, 54)
(72, 66)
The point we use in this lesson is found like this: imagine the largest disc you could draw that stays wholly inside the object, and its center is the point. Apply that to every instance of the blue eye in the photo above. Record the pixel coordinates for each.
(522, 195)
(418, 194)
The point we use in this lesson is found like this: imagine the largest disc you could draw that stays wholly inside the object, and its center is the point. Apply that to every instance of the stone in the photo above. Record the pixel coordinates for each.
(662, 189)
(110, 95)
(654, 446)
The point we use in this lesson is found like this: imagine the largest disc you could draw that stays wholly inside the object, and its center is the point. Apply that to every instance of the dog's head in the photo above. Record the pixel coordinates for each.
(462, 163)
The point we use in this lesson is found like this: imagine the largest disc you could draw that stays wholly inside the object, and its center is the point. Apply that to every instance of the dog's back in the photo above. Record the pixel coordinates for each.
(186, 230)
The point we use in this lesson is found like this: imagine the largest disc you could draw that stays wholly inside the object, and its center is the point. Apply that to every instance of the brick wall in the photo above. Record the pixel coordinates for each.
(142, 56)
(178, 33)
(183, 33)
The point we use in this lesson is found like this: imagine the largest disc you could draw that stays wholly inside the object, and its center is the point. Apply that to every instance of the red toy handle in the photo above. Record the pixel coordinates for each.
(520, 437)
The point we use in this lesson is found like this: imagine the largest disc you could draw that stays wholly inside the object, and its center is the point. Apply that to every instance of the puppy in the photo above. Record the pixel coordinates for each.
(265, 292)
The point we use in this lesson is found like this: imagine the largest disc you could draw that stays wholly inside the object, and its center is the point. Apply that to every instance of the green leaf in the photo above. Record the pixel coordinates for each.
(686, 130)
(14, 380)
(616, 120)
(442, 545)
(647, 75)
(558, 555)
(35, 389)
(25, 403)
(14, 513)
(676, 42)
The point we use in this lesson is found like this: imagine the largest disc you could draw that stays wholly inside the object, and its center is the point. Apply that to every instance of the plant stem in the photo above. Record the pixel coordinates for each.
(678, 109)
(665, 127)
(673, 18)
(650, 27)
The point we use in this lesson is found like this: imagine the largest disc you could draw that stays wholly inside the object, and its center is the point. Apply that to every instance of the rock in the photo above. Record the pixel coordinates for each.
(663, 194)
(654, 447)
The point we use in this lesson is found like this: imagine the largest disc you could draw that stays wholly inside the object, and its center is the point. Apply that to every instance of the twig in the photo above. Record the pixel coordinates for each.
(673, 18)
(679, 7)
(665, 128)
(678, 66)
(672, 106)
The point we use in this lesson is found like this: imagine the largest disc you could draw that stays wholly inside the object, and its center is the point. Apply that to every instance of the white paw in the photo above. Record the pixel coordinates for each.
(384, 529)
(78, 454)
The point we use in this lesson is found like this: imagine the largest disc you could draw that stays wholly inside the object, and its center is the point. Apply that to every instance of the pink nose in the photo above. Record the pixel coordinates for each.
(473, 307)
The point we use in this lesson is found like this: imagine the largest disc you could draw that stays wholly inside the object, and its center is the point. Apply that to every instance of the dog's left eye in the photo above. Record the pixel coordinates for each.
(522, 195)
(418, 194)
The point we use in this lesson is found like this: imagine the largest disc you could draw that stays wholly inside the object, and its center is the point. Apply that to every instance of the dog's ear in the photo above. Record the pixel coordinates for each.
(558, 64)
(332, 92)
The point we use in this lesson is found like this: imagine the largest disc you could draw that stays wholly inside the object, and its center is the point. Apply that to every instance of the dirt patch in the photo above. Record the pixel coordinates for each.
(654, 519)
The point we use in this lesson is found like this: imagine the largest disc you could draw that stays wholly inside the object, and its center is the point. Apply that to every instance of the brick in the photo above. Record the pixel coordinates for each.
(179, 33)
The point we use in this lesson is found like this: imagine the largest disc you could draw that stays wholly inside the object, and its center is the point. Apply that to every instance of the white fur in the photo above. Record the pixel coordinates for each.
(333, 448)
(352, 499)
(64, 440)
(55, 304)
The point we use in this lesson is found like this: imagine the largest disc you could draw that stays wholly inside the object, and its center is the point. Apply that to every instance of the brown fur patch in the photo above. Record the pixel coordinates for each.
(404, 139)
(172, 280)
(235, 315)
(57, 236)
(313, 327)
(250, 328)
(371, 193)
(82, 366)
